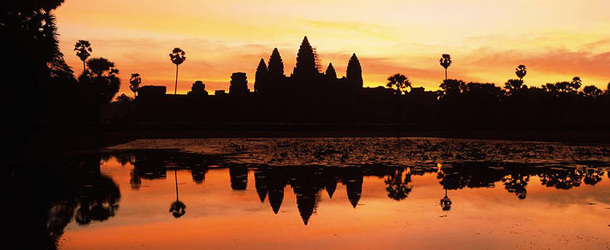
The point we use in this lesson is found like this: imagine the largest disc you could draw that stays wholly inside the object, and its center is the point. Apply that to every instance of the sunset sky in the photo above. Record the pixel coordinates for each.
(556, 40)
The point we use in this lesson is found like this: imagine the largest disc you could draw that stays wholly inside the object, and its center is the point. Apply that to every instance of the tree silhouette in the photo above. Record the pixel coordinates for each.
(513, 84)
(575, 83)
(83, 51)
(134, 83)
(177, 57)
(400, 82)
(123, 99)
(397, 184)
(452, 87)
(102, 77)
(521, 71)
(445, 62)
(592, 91)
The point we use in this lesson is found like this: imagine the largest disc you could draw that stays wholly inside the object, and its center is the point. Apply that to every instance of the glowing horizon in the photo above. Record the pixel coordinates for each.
(556, 40)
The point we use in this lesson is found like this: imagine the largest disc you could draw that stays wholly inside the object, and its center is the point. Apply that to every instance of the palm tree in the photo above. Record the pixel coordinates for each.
(575, 83)
(177, 57)
(400, 82)
(445, 62)
(521, 71)
(134, 83)
(83, 51)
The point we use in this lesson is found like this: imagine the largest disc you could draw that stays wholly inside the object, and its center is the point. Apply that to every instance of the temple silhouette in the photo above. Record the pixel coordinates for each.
(308, 94)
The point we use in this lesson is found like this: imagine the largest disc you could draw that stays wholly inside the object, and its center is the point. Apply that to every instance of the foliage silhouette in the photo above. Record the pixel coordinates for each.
(521, 71)
(123, 99)
(83, 51)
(397, 184)
(177, 57)
(101, 77)
(445, 62)
(400, 82)
(134, 83)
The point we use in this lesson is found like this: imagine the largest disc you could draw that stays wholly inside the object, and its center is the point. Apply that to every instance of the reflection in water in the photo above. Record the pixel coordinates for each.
(85, 195)
(52, 196)
(307, 182)
(446, 202)
(178, 209)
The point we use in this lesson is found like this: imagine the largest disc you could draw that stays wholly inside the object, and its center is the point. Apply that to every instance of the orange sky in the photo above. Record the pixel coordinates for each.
(556, 39)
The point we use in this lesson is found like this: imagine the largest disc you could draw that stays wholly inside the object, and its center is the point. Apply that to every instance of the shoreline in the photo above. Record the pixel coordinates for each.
(116, 134)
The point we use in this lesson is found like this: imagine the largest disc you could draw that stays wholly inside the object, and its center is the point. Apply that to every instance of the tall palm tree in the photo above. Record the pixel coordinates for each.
(83, 51)
(134, 83)
(400, 82)
(521, 71)
(445, 62)
(177, 57)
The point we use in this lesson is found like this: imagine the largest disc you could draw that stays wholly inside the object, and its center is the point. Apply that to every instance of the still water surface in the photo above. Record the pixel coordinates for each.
(351, 193)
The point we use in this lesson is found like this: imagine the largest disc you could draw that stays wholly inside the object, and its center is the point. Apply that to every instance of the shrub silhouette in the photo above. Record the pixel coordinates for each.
(134, 83)
(101, 77)
(400, 82)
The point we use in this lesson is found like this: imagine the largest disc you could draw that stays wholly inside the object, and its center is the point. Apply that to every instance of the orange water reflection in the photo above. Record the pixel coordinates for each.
(245, 207)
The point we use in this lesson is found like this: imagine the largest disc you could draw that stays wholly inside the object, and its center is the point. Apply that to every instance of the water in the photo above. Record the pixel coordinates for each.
(350, 193)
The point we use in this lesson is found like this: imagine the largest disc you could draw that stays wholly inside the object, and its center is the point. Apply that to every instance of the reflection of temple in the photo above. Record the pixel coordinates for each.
(239, 177)
(307, 184)
(311, 182)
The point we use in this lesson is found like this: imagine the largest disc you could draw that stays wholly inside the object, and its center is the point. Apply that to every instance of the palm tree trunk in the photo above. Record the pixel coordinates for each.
(445, 73)
(176, 85)
(84, 66)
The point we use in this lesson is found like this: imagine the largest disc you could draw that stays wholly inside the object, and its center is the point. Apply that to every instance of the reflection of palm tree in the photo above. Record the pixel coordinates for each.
(178, 209)
(446, 202)
(445, 62)
(177, 57)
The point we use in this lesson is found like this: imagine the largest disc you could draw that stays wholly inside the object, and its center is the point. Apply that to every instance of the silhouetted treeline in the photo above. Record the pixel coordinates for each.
(457, 105)
(46, 108)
